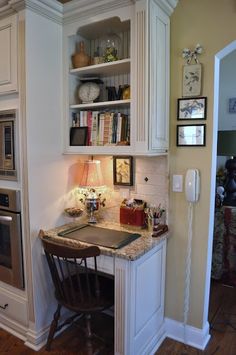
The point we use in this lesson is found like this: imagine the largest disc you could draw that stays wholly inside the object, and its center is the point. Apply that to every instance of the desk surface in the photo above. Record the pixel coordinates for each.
(132, 251)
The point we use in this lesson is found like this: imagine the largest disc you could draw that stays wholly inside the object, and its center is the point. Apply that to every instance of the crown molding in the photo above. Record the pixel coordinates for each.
(77, 9)
(167, 6)
(51, 9)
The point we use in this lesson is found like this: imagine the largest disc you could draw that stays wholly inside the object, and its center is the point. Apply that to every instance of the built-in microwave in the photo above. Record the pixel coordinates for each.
(7, 145)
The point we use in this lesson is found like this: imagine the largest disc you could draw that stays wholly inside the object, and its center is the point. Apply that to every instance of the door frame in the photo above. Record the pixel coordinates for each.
(218, 57)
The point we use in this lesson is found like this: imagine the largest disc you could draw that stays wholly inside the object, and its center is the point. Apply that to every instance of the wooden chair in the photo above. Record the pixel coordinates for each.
(80, 289)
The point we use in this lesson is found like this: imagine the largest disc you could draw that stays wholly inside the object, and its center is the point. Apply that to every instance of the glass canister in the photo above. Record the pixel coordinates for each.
(110, 45)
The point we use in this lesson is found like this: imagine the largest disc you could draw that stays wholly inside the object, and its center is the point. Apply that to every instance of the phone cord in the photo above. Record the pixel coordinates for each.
(188, 268)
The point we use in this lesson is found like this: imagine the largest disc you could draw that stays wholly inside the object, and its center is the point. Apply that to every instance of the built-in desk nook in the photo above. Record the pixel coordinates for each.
(139, 273)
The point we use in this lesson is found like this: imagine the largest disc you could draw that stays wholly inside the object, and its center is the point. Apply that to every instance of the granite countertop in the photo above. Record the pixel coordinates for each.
(132, 251)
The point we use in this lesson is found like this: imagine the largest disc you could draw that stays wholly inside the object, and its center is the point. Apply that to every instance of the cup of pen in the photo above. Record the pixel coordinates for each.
(154, 217)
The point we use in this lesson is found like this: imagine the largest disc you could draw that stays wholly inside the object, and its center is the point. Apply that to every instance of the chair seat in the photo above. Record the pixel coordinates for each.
(88, 303)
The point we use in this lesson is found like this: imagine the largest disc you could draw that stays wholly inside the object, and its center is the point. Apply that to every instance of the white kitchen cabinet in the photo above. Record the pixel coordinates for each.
(143, 26)
(152, 78)
(8, 57)
(13, 310)
(117, 73)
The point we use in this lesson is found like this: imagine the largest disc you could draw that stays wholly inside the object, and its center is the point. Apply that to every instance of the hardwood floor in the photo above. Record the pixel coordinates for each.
(222, 316)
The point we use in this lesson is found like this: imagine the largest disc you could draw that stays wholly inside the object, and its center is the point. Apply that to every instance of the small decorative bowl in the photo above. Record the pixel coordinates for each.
(73, 212)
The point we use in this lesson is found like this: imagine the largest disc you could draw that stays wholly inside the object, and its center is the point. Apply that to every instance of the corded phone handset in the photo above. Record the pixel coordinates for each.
(192, 185)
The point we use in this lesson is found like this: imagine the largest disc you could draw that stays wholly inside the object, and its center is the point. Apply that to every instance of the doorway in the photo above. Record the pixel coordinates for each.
(220, 56)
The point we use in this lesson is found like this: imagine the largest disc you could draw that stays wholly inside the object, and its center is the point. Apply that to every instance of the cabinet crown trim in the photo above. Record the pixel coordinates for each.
(51, 9)
(76, 10)
(167, 6)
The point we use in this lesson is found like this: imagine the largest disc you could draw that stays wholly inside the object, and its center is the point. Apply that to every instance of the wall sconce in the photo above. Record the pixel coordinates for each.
(91, 186)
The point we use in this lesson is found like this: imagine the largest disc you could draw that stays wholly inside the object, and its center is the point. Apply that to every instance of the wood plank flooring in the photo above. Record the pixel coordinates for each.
(222, 315)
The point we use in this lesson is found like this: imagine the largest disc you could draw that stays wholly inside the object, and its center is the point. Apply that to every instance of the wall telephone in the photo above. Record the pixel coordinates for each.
(192, 185)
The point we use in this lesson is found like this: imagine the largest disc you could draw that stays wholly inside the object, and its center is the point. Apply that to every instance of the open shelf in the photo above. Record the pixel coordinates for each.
(102, 104)
(119, 67)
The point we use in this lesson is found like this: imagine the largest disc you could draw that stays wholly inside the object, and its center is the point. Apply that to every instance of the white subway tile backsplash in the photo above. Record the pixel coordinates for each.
(154, 191)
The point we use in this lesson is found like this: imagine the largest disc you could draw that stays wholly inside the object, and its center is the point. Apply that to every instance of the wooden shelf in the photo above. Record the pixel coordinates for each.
(119, 103)
(118, 67)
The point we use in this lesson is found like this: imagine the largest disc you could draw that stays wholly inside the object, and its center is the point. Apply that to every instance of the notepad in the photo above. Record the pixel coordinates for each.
(108, 238)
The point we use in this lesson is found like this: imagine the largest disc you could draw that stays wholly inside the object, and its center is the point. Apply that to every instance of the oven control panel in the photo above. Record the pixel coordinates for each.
(10, 200)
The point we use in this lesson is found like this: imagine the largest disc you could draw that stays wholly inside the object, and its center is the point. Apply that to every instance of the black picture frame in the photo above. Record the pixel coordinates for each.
(192, 108)
(232, 105)
(78, 136)
(191, 135)
(123, 170)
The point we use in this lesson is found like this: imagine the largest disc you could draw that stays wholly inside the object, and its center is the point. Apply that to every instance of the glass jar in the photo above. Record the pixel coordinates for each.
(110, 45)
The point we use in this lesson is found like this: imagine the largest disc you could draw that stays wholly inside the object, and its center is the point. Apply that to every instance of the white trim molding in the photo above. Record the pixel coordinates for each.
(78, 9)
(51, 9)
(196, 337)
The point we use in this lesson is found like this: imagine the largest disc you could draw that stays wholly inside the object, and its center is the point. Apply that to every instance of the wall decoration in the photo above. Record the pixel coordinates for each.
(192, 80)
(192, 73)
(192, 108)
(232, 105)
(191, 135)
(123, 170)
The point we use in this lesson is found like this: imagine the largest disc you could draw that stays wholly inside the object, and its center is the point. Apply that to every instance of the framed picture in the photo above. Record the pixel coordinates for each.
(192, 75)
(78, 136)
(191, 135)
(232, 105)
(192, 108)
(123, 170)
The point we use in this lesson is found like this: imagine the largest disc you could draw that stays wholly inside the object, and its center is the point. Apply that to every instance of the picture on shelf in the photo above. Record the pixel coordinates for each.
(78, 136)
(191, 135)
(123, 170)
(192, 108)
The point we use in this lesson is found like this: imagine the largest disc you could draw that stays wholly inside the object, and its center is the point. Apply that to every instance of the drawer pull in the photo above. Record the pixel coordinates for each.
(5, 306)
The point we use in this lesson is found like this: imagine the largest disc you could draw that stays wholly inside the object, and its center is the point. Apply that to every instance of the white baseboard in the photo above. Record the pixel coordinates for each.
(198, 338)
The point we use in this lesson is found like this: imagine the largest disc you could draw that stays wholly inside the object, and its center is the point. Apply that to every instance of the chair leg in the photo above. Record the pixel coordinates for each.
(53, 327)
(88, 325)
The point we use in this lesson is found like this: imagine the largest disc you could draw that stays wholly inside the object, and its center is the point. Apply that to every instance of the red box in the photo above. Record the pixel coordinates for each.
(132, 216)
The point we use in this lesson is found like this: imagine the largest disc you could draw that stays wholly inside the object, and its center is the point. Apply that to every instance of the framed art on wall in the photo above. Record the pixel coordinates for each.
(123, 170)
(191, 135)
(192, 75)
(193, 108)
(232, 105)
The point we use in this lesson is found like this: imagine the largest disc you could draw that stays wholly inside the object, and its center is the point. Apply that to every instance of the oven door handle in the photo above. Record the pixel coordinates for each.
(5, 218)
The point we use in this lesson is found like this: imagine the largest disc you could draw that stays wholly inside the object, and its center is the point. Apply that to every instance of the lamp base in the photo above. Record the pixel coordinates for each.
(92, 205)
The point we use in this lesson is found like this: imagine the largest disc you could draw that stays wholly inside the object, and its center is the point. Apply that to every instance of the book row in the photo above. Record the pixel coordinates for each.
(103, 128)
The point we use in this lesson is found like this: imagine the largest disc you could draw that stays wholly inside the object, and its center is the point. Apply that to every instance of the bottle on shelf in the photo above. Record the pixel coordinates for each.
(80, 59)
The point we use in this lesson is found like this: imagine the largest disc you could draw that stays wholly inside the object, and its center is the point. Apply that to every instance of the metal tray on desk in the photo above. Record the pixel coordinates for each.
(100, 236)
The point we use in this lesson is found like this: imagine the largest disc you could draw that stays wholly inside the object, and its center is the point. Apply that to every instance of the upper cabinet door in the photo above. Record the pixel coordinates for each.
(8, 57)
(152, 78)
(159, 79)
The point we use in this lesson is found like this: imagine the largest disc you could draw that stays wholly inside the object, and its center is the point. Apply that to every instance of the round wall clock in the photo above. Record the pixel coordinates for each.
(88, 92)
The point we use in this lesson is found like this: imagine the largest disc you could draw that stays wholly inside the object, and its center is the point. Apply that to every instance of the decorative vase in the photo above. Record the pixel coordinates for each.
(80, 59)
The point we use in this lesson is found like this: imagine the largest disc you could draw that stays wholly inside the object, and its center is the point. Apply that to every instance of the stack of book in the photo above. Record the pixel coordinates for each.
(104, 128)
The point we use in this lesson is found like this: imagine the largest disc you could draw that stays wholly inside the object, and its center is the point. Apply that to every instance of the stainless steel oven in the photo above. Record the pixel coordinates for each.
(11, 260)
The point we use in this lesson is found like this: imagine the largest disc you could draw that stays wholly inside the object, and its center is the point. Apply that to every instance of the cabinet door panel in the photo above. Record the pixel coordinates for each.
(8, 58)
(159, 78)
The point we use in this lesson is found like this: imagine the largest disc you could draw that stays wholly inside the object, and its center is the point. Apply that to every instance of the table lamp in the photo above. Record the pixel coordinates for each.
(227, 147)
(90, 185)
